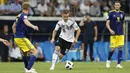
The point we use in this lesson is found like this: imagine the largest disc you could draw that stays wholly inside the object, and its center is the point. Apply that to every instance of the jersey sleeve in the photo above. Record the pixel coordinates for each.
(76, 27)
(109, 16)
(57, 26)
(24, 17)
(123, 16)
(94, 23)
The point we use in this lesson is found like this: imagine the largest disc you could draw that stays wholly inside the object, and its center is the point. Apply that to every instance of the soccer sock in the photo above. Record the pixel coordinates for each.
(31, 61)
(25, 60)
(110, 54)
(119, 56)
(54, 58)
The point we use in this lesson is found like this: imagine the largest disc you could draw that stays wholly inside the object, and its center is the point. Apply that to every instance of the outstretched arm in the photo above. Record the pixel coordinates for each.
(53, 36)
(14, 28)
(82, 21)
(30, 25)
(77, 35)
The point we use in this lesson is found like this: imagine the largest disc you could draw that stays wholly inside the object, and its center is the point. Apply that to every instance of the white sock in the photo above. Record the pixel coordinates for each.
(54, 58)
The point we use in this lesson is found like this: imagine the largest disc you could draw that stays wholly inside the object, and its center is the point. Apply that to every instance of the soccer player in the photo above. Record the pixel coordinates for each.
(19, 29)
(66, 37)
(114, 24)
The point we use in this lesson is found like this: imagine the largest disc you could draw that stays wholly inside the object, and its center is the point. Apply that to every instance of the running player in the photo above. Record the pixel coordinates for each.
(19, 29)
(66, 37)
(114, 24)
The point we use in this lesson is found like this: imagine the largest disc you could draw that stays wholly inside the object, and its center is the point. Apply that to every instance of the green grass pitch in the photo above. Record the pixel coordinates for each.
(79, 67)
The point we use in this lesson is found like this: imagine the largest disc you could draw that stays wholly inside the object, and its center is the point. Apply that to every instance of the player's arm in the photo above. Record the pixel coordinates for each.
(30, 25)
(76, 27)
(108, 24)
(14, 28)
(77, 34)
(1, 39)
(54, 32)
(82, 22)
(53, 35)
(109, 28)
(95, 32)
(40, 52)
(4, 41)
(124, 24)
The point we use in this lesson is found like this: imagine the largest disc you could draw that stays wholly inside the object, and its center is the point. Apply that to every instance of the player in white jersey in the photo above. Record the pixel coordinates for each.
(66, 37)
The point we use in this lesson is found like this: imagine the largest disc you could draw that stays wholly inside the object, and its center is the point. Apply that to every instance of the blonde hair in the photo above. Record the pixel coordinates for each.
(25, 6)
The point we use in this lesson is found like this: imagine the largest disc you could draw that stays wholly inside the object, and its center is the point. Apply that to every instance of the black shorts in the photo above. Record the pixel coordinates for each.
(64, 45)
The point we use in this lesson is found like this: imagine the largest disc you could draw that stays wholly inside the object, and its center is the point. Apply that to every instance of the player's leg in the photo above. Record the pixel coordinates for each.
(55, 57)
(120, 44)
(85, 50)
(25, 60)
(56, 53)
(33, 53)
(32, 58)
(65, 46)
(119, 58)
(26, 46)
(82, 47)
(112, 46)
(91, 50)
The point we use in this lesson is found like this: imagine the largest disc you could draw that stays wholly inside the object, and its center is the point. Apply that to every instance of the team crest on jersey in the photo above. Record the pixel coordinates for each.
(114, 15)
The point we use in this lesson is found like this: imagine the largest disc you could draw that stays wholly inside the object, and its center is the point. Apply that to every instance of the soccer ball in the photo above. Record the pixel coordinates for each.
(69, 65)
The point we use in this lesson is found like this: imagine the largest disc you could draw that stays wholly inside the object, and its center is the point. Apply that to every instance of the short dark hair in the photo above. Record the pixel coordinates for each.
(65, 11)
(87, 14)
(25, 6)
(117, 1)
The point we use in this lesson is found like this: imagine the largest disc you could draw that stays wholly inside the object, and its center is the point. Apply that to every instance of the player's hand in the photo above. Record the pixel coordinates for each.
(6, 42)
(35, 28)
(95, 38)
(41, 56)
(112, 32)
(52, 40)
(75, 41)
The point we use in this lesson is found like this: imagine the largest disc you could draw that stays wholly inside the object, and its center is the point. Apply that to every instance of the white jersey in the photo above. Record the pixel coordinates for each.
(67, 29)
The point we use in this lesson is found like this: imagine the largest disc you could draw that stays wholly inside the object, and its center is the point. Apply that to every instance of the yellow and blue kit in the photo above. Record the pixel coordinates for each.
(116, 23)
(21, 30)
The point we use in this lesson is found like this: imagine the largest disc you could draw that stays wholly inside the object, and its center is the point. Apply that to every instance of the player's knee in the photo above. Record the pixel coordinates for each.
(63, 52)
(120, 47)
(112, 49)
(25, 54)
(34, 51)
(57, 48)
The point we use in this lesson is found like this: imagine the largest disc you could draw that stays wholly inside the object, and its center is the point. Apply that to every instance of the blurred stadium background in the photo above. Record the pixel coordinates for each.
(46, 13)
